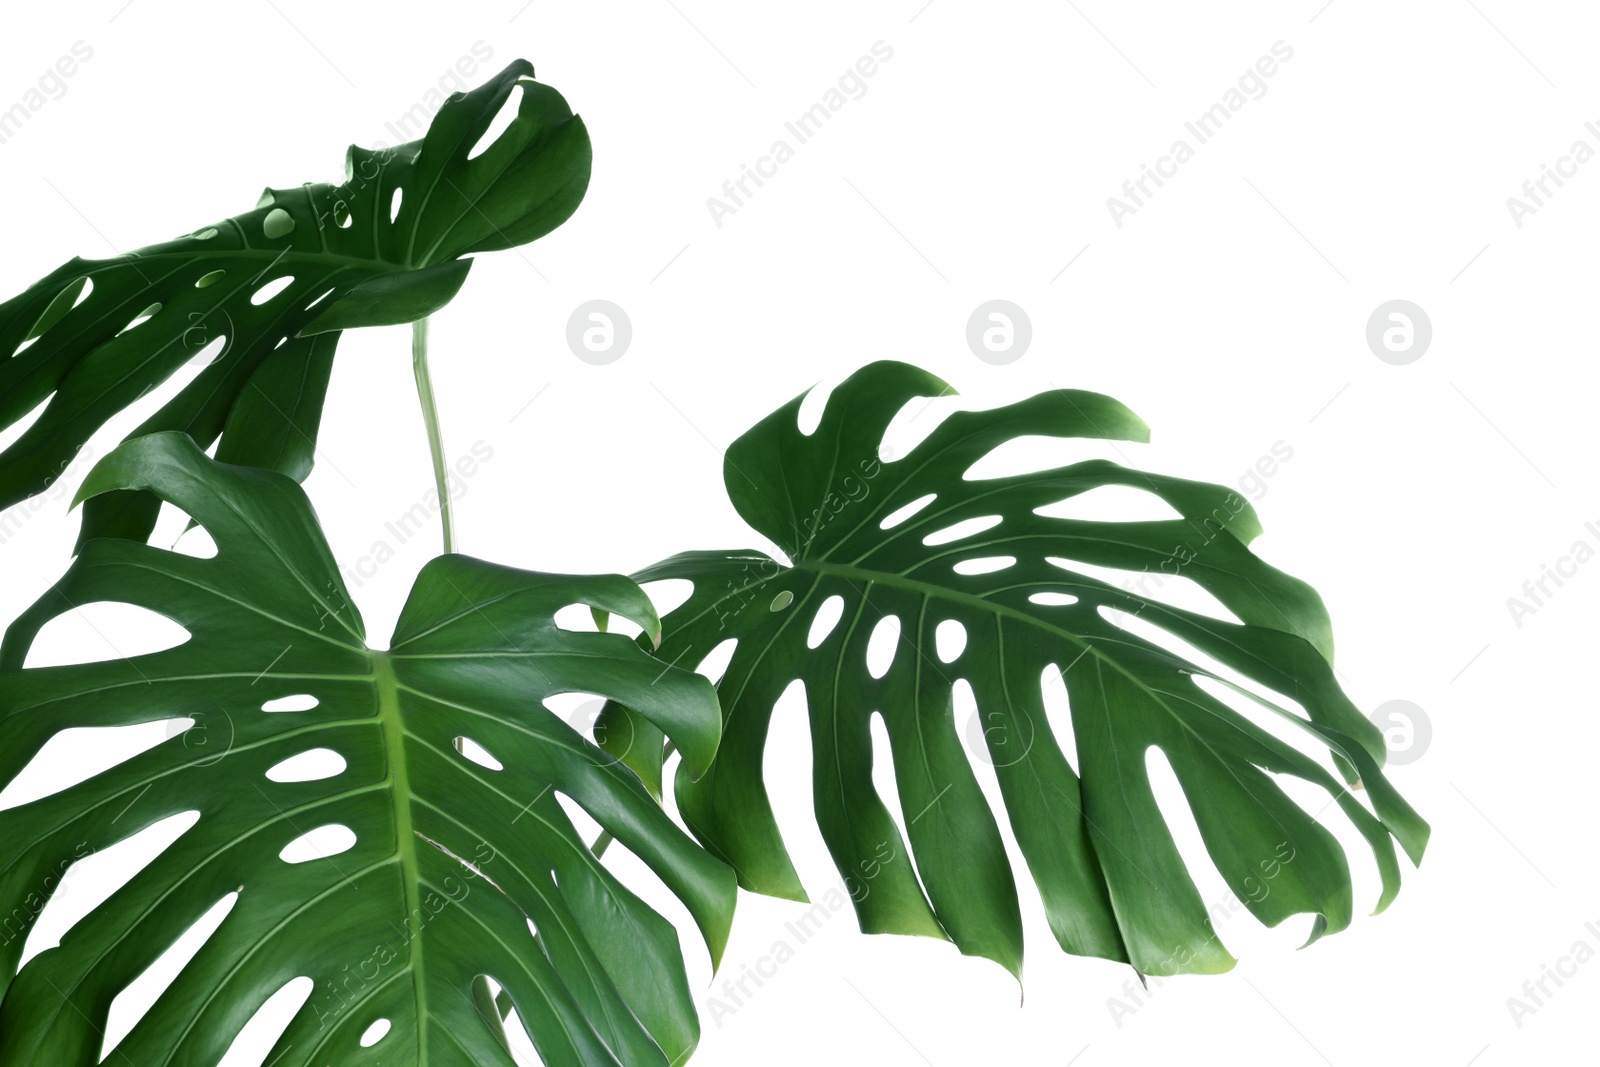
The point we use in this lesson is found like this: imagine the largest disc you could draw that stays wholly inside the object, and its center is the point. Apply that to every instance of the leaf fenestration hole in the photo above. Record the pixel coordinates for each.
(206, 234)
(140, 319)
(478, 754)
(80, 886)
(901, 514)
(784, 598)
(502, 120)
(394, 203)
(1111, 503)
(80, 635)
(267, 1025)
(278, 223)
(668, 594)
(210, 279)
(827, 617)
(271, 289)
(984, 565)
(293, 702)
(949, 640)
(964, 528)
(1058, 713)
(78, 753)
(375, 1033)
(1053, 600)
(137, 998)
(716, 661)
(318, 844)
(310, 766)
(881, 646)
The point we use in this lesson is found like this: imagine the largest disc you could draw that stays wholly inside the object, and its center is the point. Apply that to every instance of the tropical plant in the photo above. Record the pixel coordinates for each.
(463, 898)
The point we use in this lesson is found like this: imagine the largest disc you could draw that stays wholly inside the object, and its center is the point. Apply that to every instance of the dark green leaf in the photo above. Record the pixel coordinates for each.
(452, 860)
(383, 245)
(1112, 880)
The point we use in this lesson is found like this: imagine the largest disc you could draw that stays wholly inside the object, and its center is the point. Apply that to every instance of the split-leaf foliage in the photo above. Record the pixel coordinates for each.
(909, 592)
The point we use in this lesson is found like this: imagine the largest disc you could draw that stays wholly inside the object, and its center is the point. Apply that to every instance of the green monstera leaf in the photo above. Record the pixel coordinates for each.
(269, 290)
(458, 873)
(903, 541)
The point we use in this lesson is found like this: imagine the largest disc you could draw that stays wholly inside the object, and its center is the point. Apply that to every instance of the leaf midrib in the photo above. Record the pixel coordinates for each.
(394, 735)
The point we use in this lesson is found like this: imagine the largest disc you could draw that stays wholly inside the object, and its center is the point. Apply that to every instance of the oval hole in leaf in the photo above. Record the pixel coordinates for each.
(83, 885)
(784, 598)
(478, 754)
(10, 433)
(826, 619)
(668, 594)
(266, 1026)
(79, 753)
(899, 515)
(210, 279)
(884, 779)
(1111, 503)
(579, 618)
(278, 223)
(294, 702)
(950, 640)
(882, 644)
(196, 542)
(311, 766)
(206, 234)
(140, 319)
(394, 203)
(502, 120)
(319, 844)
(210, 353)
(984, 565)
(138, 998)
(82, 635)
(965, 528)
(271, 289)
(375, 1033)
(717, 660)
(1058, 713)
(1053, 600)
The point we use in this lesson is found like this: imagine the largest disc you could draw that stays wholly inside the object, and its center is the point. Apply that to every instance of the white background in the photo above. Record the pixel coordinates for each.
(1229, 311)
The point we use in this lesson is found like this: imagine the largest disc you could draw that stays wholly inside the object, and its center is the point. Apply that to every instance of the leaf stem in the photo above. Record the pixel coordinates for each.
(430, 417)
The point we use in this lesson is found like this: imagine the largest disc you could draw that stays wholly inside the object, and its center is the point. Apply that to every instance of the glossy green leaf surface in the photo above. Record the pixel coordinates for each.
(457, 871)
(380, 248)
(903, 540)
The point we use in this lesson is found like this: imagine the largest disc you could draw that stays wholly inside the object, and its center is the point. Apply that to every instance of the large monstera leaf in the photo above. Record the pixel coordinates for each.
(457, 871)
(381, 248)
(1082, 808)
